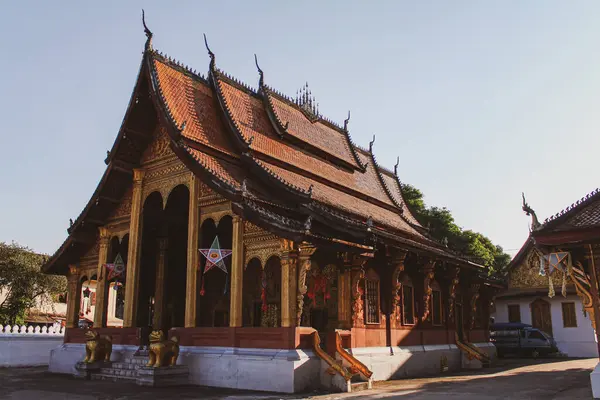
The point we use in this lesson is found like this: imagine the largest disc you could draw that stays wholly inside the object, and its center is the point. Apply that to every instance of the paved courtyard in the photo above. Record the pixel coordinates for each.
(511, 379)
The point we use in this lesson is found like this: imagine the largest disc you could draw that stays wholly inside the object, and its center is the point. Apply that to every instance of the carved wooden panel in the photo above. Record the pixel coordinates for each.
(124, 207)
(159, 148)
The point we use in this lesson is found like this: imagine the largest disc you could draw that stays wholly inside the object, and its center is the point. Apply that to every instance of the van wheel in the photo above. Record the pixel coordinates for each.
(535, 353)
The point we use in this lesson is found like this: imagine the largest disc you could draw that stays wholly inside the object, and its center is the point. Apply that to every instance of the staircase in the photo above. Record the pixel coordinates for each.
(124, 371)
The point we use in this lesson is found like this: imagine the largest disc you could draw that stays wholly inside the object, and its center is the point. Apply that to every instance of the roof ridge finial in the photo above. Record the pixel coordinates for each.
(371, 143)
(396, 166)
(346, 122)
(535, 224)
(147, 31)
(261, 81)
(210, 53)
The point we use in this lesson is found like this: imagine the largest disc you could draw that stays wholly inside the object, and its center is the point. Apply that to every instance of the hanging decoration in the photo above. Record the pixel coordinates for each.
(263, 291)
(559, 261)
(117, 268)
(86, 292)
(319, 285)
(214, 258)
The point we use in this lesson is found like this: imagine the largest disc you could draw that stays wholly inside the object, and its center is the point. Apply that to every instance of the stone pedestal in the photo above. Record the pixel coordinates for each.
(163, 376)
(84, 370)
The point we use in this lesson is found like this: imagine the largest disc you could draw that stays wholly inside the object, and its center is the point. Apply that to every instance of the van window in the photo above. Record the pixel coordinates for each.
(536, 335)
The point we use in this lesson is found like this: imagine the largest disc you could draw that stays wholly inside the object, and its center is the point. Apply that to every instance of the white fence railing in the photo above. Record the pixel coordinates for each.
(27, 345)
(30, 330)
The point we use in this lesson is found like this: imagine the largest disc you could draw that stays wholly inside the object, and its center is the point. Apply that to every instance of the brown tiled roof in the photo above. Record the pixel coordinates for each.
(585, 213)
(250, 116)
(225, 171)
(338, 199)
(192, 102)
(316, 133)
(394, 188)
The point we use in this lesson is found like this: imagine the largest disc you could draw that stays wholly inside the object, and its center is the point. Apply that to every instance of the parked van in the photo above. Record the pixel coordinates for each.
(521, 339)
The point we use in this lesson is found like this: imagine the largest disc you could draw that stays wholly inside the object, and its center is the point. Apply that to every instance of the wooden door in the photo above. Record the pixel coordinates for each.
(540, 316)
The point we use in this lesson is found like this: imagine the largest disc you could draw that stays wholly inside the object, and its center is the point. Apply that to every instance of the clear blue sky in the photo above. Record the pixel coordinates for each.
(481, 100)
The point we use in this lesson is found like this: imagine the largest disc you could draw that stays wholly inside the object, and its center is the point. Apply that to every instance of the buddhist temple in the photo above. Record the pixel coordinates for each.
(279, 254)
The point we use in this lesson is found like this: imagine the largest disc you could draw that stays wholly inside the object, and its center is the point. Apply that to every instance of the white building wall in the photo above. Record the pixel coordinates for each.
(578, 341)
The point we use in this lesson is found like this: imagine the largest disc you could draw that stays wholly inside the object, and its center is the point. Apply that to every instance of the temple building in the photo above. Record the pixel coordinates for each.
(279, 253)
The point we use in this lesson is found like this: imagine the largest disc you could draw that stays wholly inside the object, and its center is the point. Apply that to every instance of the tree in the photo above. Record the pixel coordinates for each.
(23, 284)
(442, 227)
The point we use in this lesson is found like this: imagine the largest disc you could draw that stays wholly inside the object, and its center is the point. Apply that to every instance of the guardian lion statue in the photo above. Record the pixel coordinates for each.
(162, 352)
(97, 348)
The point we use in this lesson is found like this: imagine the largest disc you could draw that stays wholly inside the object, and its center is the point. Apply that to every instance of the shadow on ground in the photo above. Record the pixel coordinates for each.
(512, 379)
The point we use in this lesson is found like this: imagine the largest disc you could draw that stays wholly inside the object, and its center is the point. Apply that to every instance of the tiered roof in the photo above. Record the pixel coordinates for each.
(284, 167)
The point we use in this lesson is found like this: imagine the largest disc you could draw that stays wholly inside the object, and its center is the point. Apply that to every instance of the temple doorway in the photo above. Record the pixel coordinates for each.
(541, 317)
(252, 301)
(175, 264)
(152, 232)
(215, 284)
(321, 300)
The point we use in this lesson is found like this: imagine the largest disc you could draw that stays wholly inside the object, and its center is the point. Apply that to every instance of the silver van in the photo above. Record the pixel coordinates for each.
(521, 339)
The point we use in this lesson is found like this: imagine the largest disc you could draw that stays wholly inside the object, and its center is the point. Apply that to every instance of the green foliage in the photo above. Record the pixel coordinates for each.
(441, 226)
(22, 283)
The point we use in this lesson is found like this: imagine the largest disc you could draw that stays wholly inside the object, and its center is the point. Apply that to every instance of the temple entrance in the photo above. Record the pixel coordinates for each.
(115, 287)
(321, 300)
(152, 231)
(252, 294)
(175, 268)
(215, 284)
(540, 316)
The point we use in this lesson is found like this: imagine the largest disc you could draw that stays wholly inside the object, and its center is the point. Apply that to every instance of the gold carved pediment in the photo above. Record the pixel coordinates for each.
(124, 207)
(527, 275)
(159, 148)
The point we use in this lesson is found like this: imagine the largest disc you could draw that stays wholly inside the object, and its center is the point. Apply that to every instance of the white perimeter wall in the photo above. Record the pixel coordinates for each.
(579, 341)
(26, 347)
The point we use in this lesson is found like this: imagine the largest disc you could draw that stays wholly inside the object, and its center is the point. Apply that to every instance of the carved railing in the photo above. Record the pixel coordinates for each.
(471, 350)
(355, 365)
(334, 367)
(31, 330)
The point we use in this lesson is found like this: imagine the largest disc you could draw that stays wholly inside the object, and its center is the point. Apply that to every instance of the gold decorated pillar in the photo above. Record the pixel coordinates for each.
(237, 272)
(304, 265)
(134, 254)
(192, 253)
(101, 292)
(73, 297)
(288, 289)
(158, 321)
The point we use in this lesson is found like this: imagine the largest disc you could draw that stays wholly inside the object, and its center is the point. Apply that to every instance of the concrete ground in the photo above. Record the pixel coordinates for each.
(510, 379)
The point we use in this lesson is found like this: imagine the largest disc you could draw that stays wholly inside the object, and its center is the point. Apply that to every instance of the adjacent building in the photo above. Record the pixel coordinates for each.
(526, 300)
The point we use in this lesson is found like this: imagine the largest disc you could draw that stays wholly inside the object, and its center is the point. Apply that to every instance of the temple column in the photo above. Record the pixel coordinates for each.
(101, 292)
(304, 265)
(192, 253)
(158, 321)
(73, 297)
(288, 290)
(237, 272)
(134, 254)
